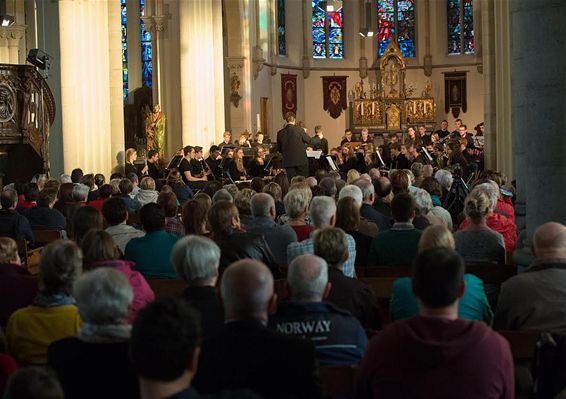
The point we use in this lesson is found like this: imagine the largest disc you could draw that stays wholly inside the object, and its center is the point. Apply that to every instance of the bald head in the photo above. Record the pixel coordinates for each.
(247, 290)
(307, 278)
(549, 241)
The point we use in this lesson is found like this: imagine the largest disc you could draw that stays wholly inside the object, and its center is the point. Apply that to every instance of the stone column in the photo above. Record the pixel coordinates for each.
(16, 33)
(539, 107)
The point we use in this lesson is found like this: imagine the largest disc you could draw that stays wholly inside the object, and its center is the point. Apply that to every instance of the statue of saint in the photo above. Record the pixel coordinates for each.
(155, 130)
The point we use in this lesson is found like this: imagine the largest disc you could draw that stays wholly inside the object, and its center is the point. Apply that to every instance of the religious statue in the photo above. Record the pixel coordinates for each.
(427, 92)
(391, 79)
(155, 130)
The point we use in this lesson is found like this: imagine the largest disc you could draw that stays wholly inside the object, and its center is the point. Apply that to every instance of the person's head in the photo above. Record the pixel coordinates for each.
(126, 186)
(283, 181)
(318, 131)
(189, 151)
(243, 201)
(133, 178)
(403, 208)
(242, 139)
(307, 279)
(347, 214)
(417, 169)
(322, 212)
(152, 156)
(436, 236)
(147, 183)
(263, 205)
(549, 241)
(76, 175)
(422, 130)
(352, 176)
(52, 184)
(105, 191)
(393, 138)
(257, 184)
(115, 211)
(368, 190)
(59, 266)
(476, 206)
(382, 187)
(47, 198)
(348, 134)
(400, 181)
(195, 216)
(328, 186)
(65, 178)
(353, 191)
(196, 260)
(395, 149)
(84, 219)
(274, 190)
(259, 137)
(227, 136)
(152, 217)
(99, 179)
(463, 130)
(290, 117)
(491, 190)
(31, 192)
(247, 292)
(223, 217)
(444, 125)
(9, 199)
(103, 296)
(222, 195)
(88, 180)
(438, 278)
(458, 123)
(331, 245)
(174, 178)
(33, 382)
(296, 203)
(9, 251)
(423, 201)
(80, 192)
(432, 186)
(365, 133)
(444, 177)
(131, 155)
(165, 341)
(411, 132)
(98, 246)
(168, 202)
(65, 193)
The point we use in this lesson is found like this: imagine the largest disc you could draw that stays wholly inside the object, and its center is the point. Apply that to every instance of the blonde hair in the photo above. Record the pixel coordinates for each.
(147, 183)
(129, 153)
(436, 236)
(8, 250)
(352, 176)
(476, 205)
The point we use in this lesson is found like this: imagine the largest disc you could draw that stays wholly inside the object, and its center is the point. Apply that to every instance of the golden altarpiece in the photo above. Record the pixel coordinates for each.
(389, 105)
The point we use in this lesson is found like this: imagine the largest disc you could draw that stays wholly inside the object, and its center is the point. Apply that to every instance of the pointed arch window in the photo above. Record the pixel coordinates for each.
(281, 28)
(328, 29)
(124, 23)
(146, 50)
(396, 20)
(460, 27)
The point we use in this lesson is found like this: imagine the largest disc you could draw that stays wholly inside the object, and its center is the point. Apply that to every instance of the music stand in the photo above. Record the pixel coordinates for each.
(331, 163)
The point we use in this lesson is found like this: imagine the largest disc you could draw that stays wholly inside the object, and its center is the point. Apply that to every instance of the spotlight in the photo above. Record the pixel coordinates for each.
(7, 20)
(366, 32)
(39, 58)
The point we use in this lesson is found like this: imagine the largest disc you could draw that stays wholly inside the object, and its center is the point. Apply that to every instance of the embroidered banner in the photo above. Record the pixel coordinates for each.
(455, 92)
(288, 94)
(334, 92)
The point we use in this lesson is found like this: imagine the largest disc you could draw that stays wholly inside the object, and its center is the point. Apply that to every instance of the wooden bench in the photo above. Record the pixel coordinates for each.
(44, 237)
(338, 381)
(167, 288)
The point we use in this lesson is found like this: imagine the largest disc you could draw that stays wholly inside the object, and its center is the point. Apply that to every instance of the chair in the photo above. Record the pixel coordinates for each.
(44, 237)
(386, 271)
(338, 381)
(165, 288)
(491, 273)
(381, 286)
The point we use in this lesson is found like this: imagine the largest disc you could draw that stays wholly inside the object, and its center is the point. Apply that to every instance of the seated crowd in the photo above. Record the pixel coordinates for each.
(273, 286)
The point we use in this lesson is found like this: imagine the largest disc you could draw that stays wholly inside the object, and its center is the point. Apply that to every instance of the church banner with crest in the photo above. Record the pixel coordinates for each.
(288, 94)
(334, 94)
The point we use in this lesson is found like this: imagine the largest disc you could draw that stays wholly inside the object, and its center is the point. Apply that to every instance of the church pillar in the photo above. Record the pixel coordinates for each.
(134, 46)
(202, 74)
(539, 104)
(90, 59)
(116, 89)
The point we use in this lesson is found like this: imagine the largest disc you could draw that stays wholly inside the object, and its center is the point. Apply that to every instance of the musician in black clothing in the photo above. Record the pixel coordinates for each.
(365, 139)
(227, 140)
(153, 165)
(186, 167)
(443, 131)
(424, 138)
(398, 160)
(257, 164)
(213, 161)
(347, 137)
(236, 168)
(318, 141)
(198, 166)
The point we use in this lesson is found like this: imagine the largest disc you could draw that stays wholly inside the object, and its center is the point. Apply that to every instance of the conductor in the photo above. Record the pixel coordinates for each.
(291, 141)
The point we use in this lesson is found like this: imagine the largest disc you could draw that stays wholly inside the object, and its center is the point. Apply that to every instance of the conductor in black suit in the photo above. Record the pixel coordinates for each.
(291, 143)
(245, 353)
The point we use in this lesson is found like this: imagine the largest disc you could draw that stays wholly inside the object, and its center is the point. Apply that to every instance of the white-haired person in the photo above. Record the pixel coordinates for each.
(296, 209)
(96, 361)
(423, 205)
(196, 260)
(53, 314)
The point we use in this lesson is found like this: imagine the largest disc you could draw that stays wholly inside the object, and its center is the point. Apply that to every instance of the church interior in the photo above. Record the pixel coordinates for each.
(107, 85)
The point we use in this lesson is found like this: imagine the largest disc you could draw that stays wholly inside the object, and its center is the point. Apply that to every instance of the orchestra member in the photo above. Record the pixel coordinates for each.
(236, 168)
(464, 135)
(318, 140)
(152, 164)
(423, 137)
(365, 139)
(347, 137)
(227, 160)
(257, 164)
(398, 159)
(443, 131)
(411, 137)
(457, 124)
(213, 161)
(259, 140)
(131, 156)
(186, 169)
(227, 139)
(243, 141)
(198, 167)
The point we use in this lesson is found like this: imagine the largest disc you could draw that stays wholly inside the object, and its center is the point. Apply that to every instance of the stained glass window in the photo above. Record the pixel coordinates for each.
(396, 20)
(146, 52)
(124, 21)
(327, 29)
(281, 43)
(460, 27)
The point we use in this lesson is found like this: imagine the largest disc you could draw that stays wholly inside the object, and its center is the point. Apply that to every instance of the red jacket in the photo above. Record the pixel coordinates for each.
(505, 208)
(506, 227)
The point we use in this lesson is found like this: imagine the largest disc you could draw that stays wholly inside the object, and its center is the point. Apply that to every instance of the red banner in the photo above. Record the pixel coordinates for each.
(334, 92)
(289, 94)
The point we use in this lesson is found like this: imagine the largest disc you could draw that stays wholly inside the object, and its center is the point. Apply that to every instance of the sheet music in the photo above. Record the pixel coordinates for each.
(380, 159)
(331, 162)
(314, 154)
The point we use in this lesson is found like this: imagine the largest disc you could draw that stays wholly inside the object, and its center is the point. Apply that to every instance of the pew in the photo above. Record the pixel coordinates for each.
(44, 237)
(167, 288)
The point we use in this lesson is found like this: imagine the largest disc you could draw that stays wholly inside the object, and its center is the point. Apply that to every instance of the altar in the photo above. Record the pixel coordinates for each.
(389, 105)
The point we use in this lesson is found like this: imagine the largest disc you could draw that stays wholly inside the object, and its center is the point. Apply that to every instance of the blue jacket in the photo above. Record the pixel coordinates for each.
(151, 254)
(337, 335)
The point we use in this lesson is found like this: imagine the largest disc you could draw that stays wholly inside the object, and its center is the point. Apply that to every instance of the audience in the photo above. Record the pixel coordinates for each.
(31, 192)
(397, 246)
(382, 188)
(151, 252)
(12, 224)
(296, 208)
(33, 383)
(323, 214)
(348, 293)
(126, 188)
(115, 213)
(534, 300)
(18, 287)
(181, 190)
(99, 250)
(245, 354)
(276, 193)
(243, 203)
(472, 306)
(348, 219)
(86, 218)
(95, 363)
(147, 193)
(196, 260)
(235, 243)
(104, 193)
(168, 202)
(53, 314)
(436, 354)
(338, 337)
(477, 242)
(367, 210)
(43, 216)
(278, 237)
(222, 195)
(195, 218)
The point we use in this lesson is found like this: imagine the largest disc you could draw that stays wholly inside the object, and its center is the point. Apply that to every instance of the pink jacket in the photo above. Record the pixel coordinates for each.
(143, 294)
